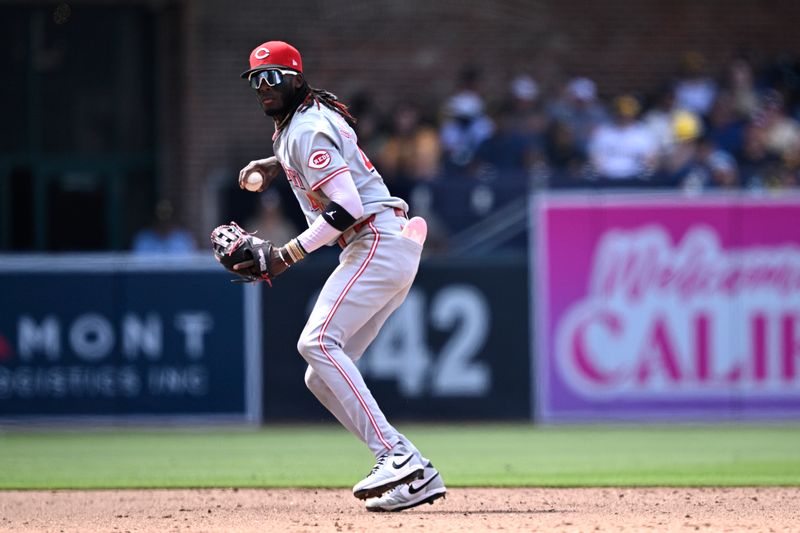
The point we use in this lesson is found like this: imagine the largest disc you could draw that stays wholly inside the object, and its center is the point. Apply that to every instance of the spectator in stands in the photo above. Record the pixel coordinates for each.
(741, 88)
(757, 164)
(561, 146)
(624, 152)
(783, 75)
(579, 109)
(723, 172)
(660, 117)
(695, 90)
(725, 124)
(695, 162)
(698, 135)
(568, 165)
(371, 127)
(781, 133)
(506, 154)
(465, 125)
(164, 236)
(411, 153)
(527, 116)
(681, 162)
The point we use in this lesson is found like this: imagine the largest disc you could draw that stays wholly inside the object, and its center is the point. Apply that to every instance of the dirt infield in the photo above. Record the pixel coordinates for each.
(474, 510)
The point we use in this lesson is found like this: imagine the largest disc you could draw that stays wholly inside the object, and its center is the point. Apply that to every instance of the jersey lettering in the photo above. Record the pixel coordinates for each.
(294, 178)
(345, 134)
(365, 159)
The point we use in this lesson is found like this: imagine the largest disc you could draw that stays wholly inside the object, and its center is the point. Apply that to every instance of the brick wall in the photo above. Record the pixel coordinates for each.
(410, 49)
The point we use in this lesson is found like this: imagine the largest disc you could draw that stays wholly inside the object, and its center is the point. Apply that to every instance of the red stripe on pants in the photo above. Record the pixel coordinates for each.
(333, 310)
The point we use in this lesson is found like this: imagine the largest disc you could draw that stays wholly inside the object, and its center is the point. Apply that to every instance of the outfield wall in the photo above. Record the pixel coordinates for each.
(455, 350)
(645, 307)
(666, 306)
(117, 337)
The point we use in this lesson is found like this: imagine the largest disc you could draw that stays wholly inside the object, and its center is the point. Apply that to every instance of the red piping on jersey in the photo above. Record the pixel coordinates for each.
(329, 177)
(333, 310)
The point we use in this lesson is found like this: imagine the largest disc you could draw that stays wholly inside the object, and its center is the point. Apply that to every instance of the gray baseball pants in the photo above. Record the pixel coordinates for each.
(375, 272)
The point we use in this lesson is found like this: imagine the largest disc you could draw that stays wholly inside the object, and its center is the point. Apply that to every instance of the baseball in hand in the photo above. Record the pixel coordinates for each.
(254, 181)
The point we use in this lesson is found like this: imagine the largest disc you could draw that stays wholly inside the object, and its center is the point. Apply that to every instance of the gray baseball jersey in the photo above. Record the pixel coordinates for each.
(376, 270)
(319, 145)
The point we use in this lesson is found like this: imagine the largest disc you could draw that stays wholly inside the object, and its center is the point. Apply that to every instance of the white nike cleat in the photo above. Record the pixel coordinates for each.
(396, 467)
(429, 488)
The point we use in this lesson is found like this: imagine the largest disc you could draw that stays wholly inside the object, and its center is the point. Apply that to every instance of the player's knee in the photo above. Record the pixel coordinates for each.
(313, 381)
(306, 345)
(313, 346)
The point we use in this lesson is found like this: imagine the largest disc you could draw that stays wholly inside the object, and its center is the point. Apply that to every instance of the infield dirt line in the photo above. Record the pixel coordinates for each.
(474, 509)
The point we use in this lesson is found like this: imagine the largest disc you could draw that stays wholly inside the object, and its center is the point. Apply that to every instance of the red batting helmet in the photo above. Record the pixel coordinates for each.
(274, 54)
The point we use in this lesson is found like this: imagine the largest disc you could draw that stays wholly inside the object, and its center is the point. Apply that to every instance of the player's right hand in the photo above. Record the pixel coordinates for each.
(268, 167)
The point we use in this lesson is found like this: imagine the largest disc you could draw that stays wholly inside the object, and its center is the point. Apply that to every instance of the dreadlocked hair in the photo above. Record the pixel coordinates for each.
(308, 96)
(329, 100)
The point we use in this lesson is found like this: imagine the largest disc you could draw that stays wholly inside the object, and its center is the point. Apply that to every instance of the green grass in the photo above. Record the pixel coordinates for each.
(467, 455)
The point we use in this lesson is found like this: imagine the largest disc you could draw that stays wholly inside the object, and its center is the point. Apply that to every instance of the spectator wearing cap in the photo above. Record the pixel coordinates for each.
(524, 90)
(526, 115)
(625, 151)
(580, 110)
(681, 163)
(695, 90)
(466, 125)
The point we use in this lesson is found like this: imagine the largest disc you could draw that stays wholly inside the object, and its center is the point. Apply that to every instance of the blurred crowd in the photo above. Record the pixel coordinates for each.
(459, 160)
(735, 126)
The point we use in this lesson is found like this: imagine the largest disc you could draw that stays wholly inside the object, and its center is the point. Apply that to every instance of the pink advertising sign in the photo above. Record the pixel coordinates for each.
(666, 307)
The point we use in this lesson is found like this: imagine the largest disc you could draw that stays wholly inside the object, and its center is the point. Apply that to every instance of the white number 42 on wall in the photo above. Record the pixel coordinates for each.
(402, 352)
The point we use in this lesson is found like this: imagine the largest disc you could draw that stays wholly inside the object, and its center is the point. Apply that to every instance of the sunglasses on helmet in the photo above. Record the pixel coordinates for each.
(273, 77)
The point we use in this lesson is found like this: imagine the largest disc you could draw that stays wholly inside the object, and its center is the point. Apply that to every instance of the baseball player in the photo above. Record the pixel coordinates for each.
(346, 203)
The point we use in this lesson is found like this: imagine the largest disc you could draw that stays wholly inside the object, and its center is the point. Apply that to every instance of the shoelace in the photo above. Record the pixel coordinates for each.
(381, 460)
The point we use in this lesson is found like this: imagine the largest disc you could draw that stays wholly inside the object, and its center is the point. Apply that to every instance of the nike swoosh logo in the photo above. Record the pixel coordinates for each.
(413, 490)
(404, 463)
